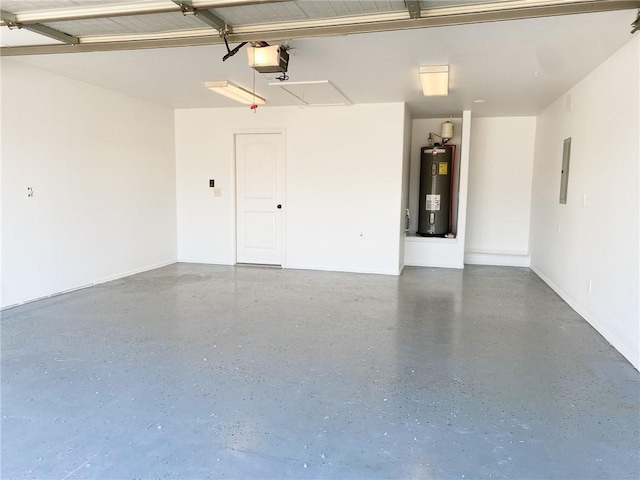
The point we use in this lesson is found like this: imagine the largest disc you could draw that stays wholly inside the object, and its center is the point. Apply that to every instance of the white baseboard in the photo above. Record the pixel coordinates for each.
(95, 282)
(628, 353)
(499, 259)
(321, 268)
(325, 268)
(44, 297)
(205, 261)
(135, 271)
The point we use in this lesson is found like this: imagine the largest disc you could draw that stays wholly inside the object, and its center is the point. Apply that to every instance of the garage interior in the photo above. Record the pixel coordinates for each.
(148, 332)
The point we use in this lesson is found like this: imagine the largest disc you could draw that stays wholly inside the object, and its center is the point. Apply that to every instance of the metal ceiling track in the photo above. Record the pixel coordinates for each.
(124, 9)
(11, 21)
(438, 17)
(211, 19)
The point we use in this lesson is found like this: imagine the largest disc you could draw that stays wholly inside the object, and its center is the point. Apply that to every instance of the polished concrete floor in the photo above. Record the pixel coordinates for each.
(194, 371)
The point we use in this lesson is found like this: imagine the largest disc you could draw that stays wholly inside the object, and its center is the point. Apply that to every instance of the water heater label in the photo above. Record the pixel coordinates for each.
(433, 202)
(443, 168)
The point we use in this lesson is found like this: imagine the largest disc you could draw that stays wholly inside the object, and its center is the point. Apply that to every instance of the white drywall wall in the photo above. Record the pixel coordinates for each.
(1, 203)
(344, 184)
(588, 249)
(500, 177)
(101, 166)
(406, 171)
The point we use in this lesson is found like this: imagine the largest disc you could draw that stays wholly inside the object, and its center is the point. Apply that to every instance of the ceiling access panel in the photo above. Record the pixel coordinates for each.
(135, 24)
(314, 93)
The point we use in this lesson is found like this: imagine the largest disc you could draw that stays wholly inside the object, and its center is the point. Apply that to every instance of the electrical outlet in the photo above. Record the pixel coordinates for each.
(29, 192)
(217, 192)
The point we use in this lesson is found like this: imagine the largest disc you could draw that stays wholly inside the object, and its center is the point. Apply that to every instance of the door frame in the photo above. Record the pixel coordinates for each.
(259, 131)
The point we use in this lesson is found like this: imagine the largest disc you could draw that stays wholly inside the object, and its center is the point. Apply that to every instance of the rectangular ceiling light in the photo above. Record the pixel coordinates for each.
(235, 92)
(435, 80)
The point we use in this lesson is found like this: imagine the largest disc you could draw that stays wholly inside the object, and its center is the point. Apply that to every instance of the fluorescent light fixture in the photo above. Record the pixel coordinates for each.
(435, 80)
(235, 92)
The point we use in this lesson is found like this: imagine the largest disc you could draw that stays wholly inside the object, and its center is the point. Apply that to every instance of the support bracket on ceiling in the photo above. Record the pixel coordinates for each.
(12, 22)
(413, 7)
(206, 16)
(231, 52)
(635, 26)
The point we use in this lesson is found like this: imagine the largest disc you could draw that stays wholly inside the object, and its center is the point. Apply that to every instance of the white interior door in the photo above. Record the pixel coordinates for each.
(260, 194)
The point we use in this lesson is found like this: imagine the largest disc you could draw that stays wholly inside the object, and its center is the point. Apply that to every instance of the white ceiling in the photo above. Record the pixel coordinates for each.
(517, 67)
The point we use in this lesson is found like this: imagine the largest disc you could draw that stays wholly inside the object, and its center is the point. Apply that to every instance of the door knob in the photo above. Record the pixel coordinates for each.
(279, 206)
